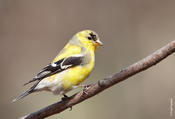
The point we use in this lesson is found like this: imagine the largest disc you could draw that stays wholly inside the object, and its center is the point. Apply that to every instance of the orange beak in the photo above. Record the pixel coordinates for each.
(98, 43)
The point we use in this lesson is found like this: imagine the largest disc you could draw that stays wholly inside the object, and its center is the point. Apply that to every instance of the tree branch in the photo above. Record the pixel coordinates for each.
(94, 89)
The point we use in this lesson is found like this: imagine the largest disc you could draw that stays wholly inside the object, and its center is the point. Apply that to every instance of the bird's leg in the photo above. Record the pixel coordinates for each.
(85, 88)
(65, 98)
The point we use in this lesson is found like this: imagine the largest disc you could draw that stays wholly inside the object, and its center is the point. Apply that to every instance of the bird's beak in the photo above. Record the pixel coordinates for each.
(98, 43)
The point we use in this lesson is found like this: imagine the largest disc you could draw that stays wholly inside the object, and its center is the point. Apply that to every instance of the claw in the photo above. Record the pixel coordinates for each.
(86, 87)
(85, 91)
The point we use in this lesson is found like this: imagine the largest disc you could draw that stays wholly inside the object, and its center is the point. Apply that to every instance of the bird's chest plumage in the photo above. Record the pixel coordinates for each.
(74, 76)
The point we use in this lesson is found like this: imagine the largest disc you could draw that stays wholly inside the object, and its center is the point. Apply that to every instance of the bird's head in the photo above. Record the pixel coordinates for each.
(89, 38)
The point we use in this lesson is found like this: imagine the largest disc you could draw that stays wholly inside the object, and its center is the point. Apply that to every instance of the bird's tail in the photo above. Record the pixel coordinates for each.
(29, 91)
(22, 95)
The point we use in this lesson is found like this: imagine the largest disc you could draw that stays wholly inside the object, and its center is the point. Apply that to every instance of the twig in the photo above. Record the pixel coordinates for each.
(94, 89)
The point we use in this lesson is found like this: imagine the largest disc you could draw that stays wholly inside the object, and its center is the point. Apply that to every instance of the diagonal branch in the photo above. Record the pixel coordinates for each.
(94, 89)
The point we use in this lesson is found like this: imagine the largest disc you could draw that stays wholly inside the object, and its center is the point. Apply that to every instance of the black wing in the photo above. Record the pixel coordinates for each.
(57, 67)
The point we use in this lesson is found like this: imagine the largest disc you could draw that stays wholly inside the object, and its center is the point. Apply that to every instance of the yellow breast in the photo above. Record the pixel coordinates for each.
(74, 76)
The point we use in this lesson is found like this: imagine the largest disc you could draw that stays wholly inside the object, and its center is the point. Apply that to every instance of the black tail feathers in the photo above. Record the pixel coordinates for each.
(22, 95)
(34, 79)
(29, 91)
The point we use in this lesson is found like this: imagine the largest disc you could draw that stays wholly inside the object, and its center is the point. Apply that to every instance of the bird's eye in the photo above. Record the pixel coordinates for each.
(93, 36)
(90, 38)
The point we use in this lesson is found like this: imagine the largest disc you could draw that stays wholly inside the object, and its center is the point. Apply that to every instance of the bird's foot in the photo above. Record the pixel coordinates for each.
(65, 97)
(86, 87)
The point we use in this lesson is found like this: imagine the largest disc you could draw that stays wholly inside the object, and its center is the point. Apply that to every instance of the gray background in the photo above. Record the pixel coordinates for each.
(32, 32)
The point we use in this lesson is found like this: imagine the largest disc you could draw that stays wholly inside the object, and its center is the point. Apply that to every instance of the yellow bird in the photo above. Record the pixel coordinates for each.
(70, 67)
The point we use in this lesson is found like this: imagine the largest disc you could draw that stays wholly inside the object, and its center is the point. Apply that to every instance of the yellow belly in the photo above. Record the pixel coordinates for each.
(75, 76)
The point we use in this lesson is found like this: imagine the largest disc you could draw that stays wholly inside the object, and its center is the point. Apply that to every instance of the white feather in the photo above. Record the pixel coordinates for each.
(55, 86)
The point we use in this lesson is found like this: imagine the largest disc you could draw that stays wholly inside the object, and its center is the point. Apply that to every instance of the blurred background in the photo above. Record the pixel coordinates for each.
(33, 32)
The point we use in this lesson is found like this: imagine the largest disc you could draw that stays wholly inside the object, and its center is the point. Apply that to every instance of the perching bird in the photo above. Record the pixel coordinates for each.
(71, 66)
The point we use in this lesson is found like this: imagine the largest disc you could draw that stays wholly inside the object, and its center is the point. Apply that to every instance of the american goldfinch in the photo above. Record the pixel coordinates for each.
(70, 67)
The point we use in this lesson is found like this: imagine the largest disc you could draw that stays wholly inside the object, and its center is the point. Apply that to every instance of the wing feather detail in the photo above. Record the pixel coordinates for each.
(57, 67)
